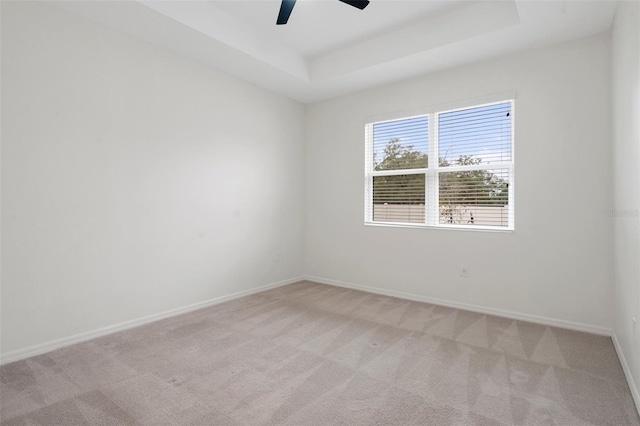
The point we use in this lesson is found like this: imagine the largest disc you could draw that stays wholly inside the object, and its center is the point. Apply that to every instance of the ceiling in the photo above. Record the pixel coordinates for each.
(329, 48)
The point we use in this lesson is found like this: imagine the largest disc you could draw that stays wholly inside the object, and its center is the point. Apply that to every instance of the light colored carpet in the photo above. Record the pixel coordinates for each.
(311, 354)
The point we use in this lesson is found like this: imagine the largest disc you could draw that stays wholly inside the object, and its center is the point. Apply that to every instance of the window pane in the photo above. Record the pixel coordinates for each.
(401, 144)
(477, 197)
(480, 135)
(399, 198)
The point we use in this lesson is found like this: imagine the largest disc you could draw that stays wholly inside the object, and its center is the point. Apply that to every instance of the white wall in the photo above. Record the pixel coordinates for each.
(626, 168)
(134, 181)
(556, 265)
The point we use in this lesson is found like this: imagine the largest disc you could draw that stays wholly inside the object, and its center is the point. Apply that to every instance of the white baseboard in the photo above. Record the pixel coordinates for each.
(83, 337)
(627, 371)
(554, 322)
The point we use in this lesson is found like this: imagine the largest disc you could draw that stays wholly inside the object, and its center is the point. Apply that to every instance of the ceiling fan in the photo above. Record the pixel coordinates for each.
(287, 6)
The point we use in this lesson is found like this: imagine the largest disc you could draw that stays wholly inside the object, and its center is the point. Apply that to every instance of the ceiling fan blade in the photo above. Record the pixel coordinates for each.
(360, 4)
(285, 11)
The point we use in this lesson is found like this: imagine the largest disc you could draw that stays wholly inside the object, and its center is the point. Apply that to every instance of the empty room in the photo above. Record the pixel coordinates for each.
(320, 212)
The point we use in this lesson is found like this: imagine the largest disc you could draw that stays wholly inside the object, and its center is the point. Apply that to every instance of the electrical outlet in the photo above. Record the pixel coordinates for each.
(276, 257)
(464, 271)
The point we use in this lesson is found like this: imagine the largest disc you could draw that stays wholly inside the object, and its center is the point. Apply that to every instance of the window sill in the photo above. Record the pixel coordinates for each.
(442, 227)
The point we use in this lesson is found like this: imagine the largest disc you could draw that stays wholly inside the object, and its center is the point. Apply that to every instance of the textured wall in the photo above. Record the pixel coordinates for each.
(626, 172)
(549, 268)
(134, 181)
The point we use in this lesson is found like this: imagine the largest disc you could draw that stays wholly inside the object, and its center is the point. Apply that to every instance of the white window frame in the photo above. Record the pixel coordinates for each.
(432, 171)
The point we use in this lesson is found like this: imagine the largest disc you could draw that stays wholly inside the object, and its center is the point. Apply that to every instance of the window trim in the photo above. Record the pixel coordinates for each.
(433, 170)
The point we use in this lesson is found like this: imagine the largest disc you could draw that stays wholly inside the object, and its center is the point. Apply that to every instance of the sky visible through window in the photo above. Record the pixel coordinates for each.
(480, 132)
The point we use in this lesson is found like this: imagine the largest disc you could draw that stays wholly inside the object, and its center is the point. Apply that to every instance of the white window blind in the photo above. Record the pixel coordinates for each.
(449, 169)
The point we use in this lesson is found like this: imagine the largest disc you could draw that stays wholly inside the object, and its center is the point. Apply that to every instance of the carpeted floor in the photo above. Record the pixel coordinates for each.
(311, 354)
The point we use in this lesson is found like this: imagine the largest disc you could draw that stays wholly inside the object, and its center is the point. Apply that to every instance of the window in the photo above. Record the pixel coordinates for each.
(446, 169)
